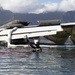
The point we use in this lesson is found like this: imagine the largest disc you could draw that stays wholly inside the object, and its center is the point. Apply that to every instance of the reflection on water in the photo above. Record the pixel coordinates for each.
(51, 61)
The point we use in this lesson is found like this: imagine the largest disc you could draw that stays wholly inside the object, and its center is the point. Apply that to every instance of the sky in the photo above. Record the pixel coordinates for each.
(37, 6)
(44, 1)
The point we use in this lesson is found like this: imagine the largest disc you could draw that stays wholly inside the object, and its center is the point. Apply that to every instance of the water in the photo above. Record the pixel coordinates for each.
(51, 61)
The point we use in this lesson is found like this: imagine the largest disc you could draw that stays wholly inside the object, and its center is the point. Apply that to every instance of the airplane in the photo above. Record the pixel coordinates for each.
(19, 32)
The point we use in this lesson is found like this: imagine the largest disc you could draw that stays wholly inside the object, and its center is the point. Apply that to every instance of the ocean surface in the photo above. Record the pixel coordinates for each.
(51, 61)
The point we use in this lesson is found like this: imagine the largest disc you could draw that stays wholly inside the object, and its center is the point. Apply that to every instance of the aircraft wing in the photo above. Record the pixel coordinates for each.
(68, 24)
(34, 31)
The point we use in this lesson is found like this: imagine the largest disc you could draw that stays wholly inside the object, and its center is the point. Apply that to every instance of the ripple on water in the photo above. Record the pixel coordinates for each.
(22, 61)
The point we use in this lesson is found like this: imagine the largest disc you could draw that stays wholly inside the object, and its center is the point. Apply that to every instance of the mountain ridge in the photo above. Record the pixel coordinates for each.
(7, 16)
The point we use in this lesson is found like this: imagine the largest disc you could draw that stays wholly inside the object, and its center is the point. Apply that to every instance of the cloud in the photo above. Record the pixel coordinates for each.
(33, 6)
(64, 5)
(47, 7)
(67, 5)
(19, 6)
